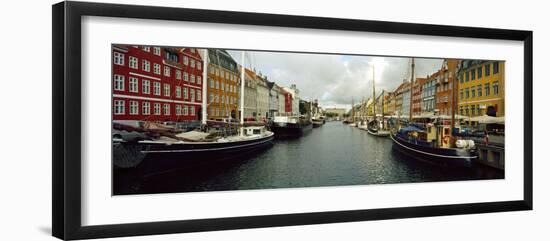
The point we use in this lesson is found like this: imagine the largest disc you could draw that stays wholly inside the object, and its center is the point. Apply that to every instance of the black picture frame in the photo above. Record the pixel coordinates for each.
(66, 169)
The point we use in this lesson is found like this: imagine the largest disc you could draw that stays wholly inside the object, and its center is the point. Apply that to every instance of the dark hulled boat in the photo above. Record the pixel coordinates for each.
(154, 156)
(290, 126)
(407, 143)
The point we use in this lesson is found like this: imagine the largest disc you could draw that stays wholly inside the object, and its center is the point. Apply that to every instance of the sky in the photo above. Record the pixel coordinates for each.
(335, 79)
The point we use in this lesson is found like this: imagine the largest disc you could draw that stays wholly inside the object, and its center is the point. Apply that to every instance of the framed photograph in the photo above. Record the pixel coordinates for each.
(170, 120)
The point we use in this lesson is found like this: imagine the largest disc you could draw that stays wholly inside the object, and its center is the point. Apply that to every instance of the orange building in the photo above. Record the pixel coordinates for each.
(417, 96)
(223, 85)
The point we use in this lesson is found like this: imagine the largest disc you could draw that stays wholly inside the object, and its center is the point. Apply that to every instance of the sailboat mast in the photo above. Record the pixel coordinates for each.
(373, 95)
(411, 91)
(453, 95)
(242, 89)
(204, 85)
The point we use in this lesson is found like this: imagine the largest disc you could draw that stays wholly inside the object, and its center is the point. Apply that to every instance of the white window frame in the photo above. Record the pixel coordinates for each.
(178, 74)
(192, 63)
(178, 110)
(156, 51)
(185, 92)
(146, 48)
(166, 109)
(199, 95)
(156, 109)
(119, 107)
(146, 65)
(178, 91)
(118, 83)
(145, 108)
(192, 94)
(185, 60)
(118, 58)
(133, 84)
(156, 88)
(199, 80)
(192, 110)
(167, 71)
(192, 78)
(156, 68)
(146, 86)
(134, 107)
(133, 62)
(185, 76)
(185, 110)
(166, 89)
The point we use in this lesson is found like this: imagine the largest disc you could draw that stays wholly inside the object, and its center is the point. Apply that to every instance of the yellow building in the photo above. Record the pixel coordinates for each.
(481, 88)
(223, 85)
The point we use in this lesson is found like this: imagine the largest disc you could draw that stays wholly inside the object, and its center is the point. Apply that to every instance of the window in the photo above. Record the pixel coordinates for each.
(146, 49)
(166, 109)
(212, 70)
(199, 65)
(199, 80)
(119, 107)
(479, 91)
(119, 82)
(134, 105)
(185, 93)
(146, 66)
(217, 85)
(473, 109)
(192, 78)
(192, 63)
(199, 95)
(118, 58)
(192, 110)
(495, 68)
(178, 92)
(487, 89)
(473, 92)
(495, 87)
(473, 74)
(146, 86)
(478, 110)
(133, 85)
(156, 68)
(222, 73)
(467, 93)
(461, 111)
(133, 62)
(185, 76)
(226, 75)
(157, 108)
(166, 71)
(192, 94)
(156, 88)
(156, 51)
(211, 98)
(178, 110)
(211, 83)
(461, 77)
(467, 76)
(223, 86)
(178, 74)
(185, 110)
(166, 90)
(185, 60)
(479, 72)
(146, 108)
(217, 72)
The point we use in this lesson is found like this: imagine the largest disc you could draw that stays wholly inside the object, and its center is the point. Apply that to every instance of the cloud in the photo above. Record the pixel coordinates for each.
(335, 79)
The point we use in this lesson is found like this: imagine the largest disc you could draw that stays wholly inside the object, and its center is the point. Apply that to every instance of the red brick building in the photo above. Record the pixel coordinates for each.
(445, 86)
(156, 83)
(288, 102)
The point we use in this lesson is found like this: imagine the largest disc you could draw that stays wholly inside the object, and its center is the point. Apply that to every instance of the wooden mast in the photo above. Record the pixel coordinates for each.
(411, 92)
(204, 86)
(242, 93)
(373, 95)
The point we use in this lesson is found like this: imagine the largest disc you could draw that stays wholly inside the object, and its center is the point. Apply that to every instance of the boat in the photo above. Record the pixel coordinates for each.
(316, 122)
(160, 148)
(434, 142)
(289, 126)
(376, 127)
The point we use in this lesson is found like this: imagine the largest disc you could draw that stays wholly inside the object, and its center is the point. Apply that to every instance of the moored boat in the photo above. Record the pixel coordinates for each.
(290, 126)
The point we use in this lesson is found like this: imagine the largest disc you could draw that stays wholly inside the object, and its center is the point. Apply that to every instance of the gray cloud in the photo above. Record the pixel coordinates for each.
(335, 79)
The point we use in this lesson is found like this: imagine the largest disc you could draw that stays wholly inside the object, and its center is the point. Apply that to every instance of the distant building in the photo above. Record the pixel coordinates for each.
(389, 104)
(273, 99)
(336, 111)
(262, 97)
(481, 88)
(402, 99)
(417, 96)
(156, 84)
(295, 93)
(281, 100)
(250, 92)
(428, 92)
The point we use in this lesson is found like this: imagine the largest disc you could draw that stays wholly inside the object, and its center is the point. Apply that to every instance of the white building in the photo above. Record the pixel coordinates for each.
(262, 98)
(295, 98)
(250, 92)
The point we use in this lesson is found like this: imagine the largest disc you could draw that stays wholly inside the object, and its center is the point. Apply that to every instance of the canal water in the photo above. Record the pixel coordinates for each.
(332, 155)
